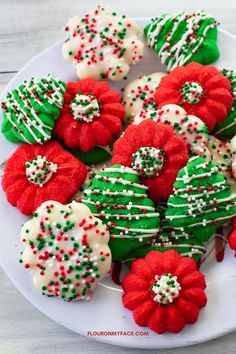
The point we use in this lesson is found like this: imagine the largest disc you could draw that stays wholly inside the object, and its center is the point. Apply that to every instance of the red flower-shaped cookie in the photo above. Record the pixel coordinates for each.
(156, 154)
(91, 115)
(201, 90)
(36, 173)
(165, 291)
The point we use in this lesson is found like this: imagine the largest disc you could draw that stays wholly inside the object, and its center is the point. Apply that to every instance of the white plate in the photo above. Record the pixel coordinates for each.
(104, 312)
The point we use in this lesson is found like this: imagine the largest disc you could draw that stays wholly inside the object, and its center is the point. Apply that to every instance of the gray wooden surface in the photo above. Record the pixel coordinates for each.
(26, 28)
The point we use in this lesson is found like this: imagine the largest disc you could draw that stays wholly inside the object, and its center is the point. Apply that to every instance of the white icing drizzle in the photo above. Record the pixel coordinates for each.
(127, 231)
(122, 169)
(190, 210)
(129, 206)
(217, 184)
(114, 180)
(204, 194)
(143, 235)
(126, 216)
(124, 193)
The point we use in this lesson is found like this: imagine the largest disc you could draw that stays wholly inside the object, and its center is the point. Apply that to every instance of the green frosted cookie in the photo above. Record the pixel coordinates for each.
(227, 129)
(30, 111)
(182, 38)
(201, 200)
(117, 197)
(169, 237)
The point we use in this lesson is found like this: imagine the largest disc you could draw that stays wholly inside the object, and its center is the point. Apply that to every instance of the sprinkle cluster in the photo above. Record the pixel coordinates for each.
(192, 92)
(85, 108)
(165, 289)
(148, 161)
(40, 170)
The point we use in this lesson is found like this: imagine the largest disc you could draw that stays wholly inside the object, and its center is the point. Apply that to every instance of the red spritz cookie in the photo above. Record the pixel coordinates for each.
(37, 173)
(165, 291)
(201, 90)
(155, 152)
(91, 115)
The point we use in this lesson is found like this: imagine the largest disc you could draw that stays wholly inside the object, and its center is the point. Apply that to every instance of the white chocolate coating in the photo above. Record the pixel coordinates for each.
(66, 249)
(102, 44)
(233, 155)
(189, 128)
(221, 152)
(139, 94)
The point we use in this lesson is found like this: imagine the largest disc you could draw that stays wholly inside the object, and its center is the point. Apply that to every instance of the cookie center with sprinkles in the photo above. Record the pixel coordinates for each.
(165, 289)
(192, 92)
(85, 108)
(40, 170)
(148, 161)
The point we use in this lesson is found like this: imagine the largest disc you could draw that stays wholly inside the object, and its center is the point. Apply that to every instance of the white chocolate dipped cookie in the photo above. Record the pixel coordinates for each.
(221, 156)
(66, 249)
(232, 145)
(139, 94)
(190, 128)
(102, 44)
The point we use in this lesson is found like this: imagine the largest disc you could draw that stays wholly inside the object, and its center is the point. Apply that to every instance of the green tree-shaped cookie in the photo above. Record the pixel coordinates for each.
(30, 111)
(201, 200)
(182, 38)
(117, 197)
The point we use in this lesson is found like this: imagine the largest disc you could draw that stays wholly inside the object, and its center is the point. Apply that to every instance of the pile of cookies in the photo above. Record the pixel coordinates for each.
(169, 147)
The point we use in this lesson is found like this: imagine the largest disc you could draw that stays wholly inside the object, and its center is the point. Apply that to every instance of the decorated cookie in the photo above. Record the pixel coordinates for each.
(155, 153)
(91, 115)
(30, 111)
(232, 146)
(139, 94)
(189, 128)
(227, 128)
(169, 237)
(165, 291)
(117, 197)
(221, 156)
(182, 38)
(201, 200)
(102, 44)
(36, 173)
(66, 249)
(201, 90)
